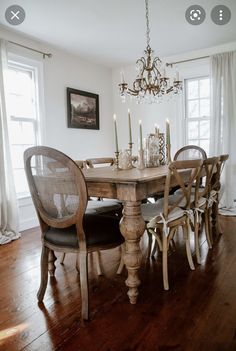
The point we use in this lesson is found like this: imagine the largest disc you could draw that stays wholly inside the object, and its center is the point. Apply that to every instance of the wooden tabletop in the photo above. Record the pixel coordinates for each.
(134, 175)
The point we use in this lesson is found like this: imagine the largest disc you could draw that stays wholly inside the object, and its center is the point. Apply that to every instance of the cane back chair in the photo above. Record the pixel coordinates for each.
(67, 229)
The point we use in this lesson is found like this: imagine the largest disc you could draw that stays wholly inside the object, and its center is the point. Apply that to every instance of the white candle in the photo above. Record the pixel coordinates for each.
(130, 131)
(116, 136)
(177, 76)
(122, 77)
(167, 132)
(141, 135)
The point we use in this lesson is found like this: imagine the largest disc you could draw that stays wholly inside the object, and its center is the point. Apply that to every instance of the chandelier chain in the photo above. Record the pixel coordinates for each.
(147, 22)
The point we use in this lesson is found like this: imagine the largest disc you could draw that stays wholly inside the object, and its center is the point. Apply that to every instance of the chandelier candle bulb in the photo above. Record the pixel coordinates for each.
(122, 77)
(141, 135)
(167, 132)
(116, 136)
(130, 131)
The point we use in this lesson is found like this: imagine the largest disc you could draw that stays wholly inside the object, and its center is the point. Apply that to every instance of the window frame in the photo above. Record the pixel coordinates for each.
(17, 61)
(186, 119)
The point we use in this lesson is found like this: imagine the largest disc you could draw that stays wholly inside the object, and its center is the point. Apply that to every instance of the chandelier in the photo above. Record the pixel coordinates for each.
(151, 83)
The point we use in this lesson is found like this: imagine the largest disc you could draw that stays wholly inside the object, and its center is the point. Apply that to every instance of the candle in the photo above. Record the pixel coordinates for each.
(130, 131)
(122, 77)
(141, 135)
(167, 132)
(116, 136)
(157, 130)
(177, 76)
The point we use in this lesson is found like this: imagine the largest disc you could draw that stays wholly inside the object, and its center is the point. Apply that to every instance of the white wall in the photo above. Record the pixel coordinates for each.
(157, 113)
(61, 71)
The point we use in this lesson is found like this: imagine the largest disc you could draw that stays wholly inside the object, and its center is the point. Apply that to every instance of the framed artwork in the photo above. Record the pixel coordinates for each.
(82, 109)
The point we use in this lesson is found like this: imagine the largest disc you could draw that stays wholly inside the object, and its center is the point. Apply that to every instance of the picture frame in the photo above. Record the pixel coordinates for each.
(82, 109)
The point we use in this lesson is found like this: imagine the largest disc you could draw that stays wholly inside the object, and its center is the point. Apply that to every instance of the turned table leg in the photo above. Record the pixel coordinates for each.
(132, 227)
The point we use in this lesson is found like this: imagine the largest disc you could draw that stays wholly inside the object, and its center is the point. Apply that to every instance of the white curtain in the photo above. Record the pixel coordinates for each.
(9, 219)
(223, 137)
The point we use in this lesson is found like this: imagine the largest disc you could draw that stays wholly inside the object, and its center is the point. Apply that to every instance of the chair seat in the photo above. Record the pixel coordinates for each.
(99, 231)
(180, 191)
(150, 211)
(173, 198)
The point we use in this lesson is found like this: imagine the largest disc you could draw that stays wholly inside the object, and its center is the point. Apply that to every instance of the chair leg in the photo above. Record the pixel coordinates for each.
(187, 244)
(196, 238)
(122, 264)
(51, 265)
(97, 258)
(83, 260)
(207, 228)
(44, 273)
(63, 258)
(165, 262)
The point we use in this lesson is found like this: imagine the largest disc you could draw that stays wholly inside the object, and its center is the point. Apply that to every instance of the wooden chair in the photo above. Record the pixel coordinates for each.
(190, 152)
(106, 161)
(72, 230)
(163, 219)
(200, 202)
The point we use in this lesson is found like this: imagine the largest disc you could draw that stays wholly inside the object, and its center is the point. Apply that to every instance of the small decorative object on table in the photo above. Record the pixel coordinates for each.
(125, 159)
(152, 150)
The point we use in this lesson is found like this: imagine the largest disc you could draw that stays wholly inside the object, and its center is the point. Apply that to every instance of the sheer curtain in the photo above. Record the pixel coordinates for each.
(9, 219)
(223, 139)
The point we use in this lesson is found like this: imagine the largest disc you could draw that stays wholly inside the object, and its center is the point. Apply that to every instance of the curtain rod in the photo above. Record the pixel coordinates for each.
(27, 47)
(193, 59)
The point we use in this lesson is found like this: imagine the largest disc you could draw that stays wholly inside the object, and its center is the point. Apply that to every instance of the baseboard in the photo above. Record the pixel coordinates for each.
(29, 223)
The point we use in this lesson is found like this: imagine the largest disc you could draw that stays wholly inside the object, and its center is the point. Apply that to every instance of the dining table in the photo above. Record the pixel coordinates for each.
(131, 187)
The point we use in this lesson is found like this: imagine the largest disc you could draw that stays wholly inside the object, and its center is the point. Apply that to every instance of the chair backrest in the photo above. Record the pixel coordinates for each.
(53, 176)
(106, 161)
(220, 167)
(185, 173)
(209, 169)
(190, 152)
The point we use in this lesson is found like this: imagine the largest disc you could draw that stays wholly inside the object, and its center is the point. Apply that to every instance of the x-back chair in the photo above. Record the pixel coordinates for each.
(164, 218)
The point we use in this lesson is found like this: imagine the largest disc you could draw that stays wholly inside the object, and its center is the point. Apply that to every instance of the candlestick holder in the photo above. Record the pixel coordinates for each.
(116, 163)
(168, 156)
(141, 164)
(130, 147)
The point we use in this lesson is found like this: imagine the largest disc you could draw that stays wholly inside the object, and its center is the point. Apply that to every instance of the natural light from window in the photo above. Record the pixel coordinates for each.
(22, 106)
(197, 112)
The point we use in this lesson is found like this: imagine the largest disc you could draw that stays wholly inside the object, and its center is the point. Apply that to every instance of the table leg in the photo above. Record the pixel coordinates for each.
(132, 227)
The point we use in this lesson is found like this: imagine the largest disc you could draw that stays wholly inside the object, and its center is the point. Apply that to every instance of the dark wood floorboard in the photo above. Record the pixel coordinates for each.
(198, 313)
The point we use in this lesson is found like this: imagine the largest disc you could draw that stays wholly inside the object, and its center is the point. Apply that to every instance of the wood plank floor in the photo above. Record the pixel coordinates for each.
(198, 313)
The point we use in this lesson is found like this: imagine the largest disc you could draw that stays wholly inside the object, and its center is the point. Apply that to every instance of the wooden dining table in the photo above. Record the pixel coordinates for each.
(131, 187)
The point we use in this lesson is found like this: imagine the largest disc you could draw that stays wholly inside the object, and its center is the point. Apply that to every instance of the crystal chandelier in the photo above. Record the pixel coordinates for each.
(151, 83)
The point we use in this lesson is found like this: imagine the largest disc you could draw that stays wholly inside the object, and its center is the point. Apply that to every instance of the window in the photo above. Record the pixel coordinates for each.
(197, 112)
(23, 111)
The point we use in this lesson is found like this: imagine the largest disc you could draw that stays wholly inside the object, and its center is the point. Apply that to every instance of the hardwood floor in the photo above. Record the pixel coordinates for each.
(198, 313)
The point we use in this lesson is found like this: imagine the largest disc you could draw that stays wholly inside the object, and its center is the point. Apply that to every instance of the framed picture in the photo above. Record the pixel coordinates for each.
(82, 109)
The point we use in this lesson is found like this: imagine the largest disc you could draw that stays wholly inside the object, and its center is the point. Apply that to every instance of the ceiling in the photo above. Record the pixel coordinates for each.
(112, 32)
